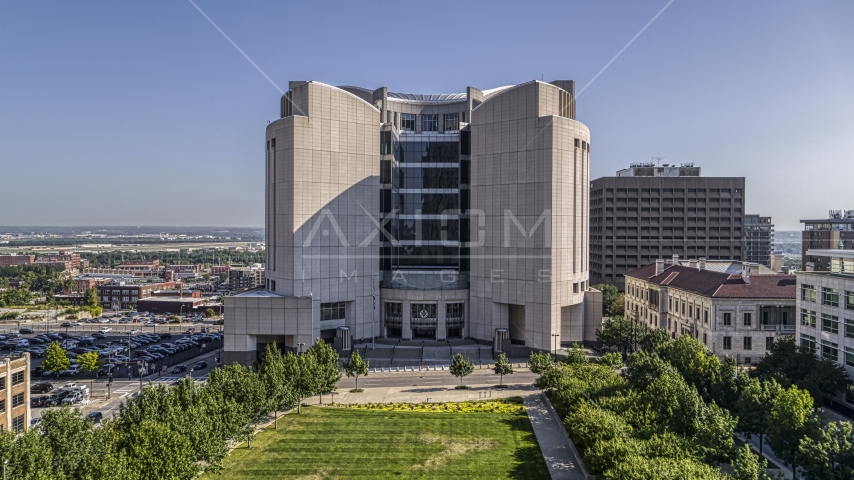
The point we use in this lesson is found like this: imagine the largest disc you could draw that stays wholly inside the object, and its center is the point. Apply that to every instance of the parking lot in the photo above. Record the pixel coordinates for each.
(125, 351)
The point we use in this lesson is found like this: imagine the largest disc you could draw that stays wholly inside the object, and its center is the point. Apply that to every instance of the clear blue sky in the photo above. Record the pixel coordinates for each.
(126, 113)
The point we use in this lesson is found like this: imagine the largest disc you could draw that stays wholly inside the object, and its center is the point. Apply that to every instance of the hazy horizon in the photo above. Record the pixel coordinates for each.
(144, 114)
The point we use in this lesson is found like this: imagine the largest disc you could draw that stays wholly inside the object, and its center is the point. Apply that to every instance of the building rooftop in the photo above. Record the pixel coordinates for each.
(718, 284)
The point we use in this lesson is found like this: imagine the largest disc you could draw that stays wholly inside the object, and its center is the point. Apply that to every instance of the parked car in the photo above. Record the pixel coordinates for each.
(41, 387)
(39, 401)
(200, 365)
(134, 332)
(99, 335)
(179, 369)
(149, 324)
(53, 400)
(25, 331)
(106, 368)
(71, 371)
(73, 398)
(105, 330)
(96, 417)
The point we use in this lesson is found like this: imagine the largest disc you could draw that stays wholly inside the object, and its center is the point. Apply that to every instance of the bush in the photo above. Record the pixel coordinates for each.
(576, 355)
(9, 316)
(611, 360)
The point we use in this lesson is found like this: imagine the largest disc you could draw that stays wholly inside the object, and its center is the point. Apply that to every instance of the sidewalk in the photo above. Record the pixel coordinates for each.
(557, 451)
(426, 393)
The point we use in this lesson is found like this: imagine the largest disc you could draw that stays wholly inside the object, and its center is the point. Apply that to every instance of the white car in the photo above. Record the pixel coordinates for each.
(74, 324)
(149, 324)
(134, 331)
(105, 330)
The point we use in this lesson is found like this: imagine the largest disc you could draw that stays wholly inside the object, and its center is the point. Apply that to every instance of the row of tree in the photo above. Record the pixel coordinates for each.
(196, 257)
(676, 407)
(35, 280)
(171, 433)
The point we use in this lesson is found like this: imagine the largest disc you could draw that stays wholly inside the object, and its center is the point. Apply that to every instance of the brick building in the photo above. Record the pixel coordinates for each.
(15, 393)
(125, 296)
(69, 261)
(13, 260)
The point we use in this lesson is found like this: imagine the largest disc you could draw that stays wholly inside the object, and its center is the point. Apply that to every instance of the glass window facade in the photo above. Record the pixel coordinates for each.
(830, 350)
(808, 318)
(419, 190)
(429, 122)
(830, 296)
(407, 122)
(451, 122)
(829, 323)
(808, 341)
(808, 293)
(332, 311)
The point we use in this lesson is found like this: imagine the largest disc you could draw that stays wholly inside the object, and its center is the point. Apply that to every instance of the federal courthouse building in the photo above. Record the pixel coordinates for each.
(413, 216)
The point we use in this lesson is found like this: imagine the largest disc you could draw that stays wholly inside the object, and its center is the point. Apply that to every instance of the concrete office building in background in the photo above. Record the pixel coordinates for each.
(647, 212)
(422, 216)
(836, 232)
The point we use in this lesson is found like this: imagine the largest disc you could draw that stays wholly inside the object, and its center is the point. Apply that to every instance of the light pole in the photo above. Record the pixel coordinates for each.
(5, 462)
(555, 344)
(139, 372)
(299, 347)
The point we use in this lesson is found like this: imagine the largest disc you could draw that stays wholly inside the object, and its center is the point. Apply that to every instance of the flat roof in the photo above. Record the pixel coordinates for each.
(831, 253)
(830, 220)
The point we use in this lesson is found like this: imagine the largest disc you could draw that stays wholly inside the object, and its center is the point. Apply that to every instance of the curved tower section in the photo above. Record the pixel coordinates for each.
(530, 170)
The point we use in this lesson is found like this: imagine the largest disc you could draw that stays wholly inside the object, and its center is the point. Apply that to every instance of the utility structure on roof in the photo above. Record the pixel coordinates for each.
(735, 308)
(422, 216)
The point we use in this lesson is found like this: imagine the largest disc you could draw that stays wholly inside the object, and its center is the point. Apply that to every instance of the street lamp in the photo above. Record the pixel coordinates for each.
(139, 372)
(5, 462)
(554, 335)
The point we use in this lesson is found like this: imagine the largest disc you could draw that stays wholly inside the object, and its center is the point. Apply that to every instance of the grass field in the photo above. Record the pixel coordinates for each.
(346, 443)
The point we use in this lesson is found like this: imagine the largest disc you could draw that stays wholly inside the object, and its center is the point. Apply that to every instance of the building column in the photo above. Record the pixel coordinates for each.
(441, 326)
(406, 329)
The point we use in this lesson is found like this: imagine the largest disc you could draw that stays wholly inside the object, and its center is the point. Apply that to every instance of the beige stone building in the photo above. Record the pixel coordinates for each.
(734, 314)
(422, 216)
(15, 393)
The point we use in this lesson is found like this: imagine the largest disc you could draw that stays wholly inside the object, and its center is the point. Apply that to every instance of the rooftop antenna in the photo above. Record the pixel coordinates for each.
(658, 160)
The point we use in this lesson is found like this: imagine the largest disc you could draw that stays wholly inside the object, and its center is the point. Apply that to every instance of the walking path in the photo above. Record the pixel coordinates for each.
(559, 454)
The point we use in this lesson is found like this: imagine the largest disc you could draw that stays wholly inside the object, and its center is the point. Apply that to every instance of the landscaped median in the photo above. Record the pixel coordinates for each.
(489, 439)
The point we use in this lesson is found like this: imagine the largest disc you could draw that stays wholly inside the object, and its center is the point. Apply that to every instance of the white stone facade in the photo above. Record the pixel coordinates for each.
(335, 179)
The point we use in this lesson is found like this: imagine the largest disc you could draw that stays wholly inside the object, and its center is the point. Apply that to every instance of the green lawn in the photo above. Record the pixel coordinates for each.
(345, 443)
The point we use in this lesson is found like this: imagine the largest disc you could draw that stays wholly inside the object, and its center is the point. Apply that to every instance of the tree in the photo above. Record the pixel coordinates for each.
(328, 372)
(502, 367)
(620, 332)
(210, 313)
(790, 415)
(575, 355)
(611, 359)
(754, 408)
(791, 364)
(654, 339)
(609, 294)
(355, 366)
(88, 363)
(618, 307)
(68, 434)
(91, 298)
(748, 466)
(540, 362)
(829, 453)
(461, 367)
(55, 358)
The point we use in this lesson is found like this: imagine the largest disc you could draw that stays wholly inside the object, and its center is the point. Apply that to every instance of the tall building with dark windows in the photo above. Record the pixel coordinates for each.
(759, 239)
(647, 212)
(423, 217)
